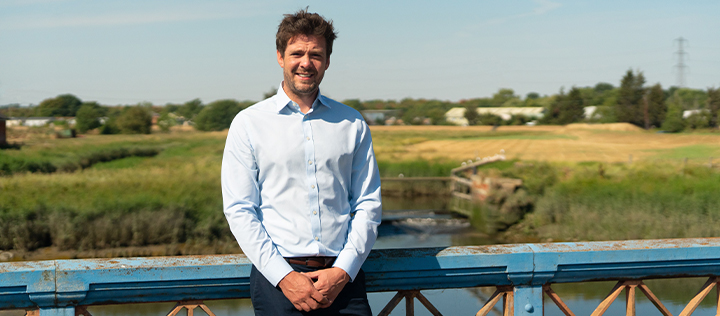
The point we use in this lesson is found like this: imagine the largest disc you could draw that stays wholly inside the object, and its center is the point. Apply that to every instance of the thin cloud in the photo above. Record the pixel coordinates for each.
(22, 3)
(109, 20)
(125, 18)
(544, 7)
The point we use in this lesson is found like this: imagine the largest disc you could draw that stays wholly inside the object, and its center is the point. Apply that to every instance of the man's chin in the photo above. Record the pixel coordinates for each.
(305, 90)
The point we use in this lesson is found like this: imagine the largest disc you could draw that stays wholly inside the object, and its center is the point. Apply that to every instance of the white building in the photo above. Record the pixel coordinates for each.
(30, 121)
(457, 115)
(688, 113)
(373, 116)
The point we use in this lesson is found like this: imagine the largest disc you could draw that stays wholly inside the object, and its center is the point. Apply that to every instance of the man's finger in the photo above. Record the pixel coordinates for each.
(326, 305)
(304, 307)
(298, 306)
(313, 304)
(313, 275)
(317, 296)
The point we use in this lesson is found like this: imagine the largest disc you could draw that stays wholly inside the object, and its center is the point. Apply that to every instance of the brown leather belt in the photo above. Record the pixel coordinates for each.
(316, 262)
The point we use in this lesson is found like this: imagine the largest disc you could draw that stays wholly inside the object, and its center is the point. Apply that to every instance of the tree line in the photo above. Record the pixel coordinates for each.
(133, 119)
(632, 102)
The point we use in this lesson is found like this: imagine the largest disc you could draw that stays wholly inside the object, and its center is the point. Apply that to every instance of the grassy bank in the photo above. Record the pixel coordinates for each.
(174, 197)
(597, 201)
(646, 201)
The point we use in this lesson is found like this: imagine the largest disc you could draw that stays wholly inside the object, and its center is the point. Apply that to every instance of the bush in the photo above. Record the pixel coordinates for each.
(518, 120)
(166, 121)
(217, 116)
(489, 119)
(88, 117)
(135, 120)
(673, 120)
(11, 165)
(62, 105)
(698, 120)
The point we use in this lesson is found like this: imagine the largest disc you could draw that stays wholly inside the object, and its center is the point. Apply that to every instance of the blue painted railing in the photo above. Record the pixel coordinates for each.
(522, 273)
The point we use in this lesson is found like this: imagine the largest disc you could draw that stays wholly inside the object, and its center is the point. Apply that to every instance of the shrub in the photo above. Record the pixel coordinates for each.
(217, 116)
(135, 120)
(673, 120)
(698, 120)
(88, 117)
(489, 119)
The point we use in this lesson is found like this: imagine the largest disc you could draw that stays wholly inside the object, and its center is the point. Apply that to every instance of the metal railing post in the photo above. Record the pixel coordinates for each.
(57, 311)
(528, 300)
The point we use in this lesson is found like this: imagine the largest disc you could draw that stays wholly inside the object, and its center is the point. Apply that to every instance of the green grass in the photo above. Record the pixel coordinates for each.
(646, 201)
(124, 163)
(518, 136)
(699, 151)
(174, 196)
(410, 137)
(416, 168)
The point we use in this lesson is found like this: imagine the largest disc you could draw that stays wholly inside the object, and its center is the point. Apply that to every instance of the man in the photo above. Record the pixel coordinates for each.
(301, 188)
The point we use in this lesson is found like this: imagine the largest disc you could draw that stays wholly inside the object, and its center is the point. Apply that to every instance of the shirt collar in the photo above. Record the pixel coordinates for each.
(282, 100)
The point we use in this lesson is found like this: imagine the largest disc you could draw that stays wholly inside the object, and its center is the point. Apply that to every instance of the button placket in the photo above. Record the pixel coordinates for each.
(313, 193)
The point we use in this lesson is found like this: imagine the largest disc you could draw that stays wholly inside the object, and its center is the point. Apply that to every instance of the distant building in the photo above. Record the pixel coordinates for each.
(689, 113)
(457, 115)
(3, 137)
(375, 116)
(30, 121)
(590, 111)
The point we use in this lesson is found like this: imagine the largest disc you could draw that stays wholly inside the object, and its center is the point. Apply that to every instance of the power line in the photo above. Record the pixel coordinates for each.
(681, 62)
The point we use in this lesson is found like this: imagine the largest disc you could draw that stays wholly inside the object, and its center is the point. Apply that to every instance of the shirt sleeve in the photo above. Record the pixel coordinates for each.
(241, 199)
(366, 206)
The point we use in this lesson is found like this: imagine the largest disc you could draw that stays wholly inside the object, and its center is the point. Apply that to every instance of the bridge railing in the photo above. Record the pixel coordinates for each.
(522, 274)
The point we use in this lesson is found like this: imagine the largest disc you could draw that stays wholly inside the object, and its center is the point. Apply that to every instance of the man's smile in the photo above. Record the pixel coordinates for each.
(305, 75)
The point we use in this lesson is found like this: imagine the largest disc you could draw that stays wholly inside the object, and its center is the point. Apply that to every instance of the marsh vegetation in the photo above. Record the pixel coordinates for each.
(164, 189)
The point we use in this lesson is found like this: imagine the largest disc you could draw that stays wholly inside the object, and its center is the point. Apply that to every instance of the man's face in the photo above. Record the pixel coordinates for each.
(304, 64)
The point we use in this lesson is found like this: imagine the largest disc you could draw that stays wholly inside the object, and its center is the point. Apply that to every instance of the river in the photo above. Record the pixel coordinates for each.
(417, 223)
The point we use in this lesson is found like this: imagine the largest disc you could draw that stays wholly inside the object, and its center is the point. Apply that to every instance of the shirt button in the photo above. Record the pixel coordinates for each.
(308, 138)
(309, 162)
(312, 186)
(317, 238)
(314, 212)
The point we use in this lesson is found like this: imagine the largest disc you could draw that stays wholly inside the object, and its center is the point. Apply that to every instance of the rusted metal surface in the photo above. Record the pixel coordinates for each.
(63, 284)
(557, 300)
(190, 307)
(409, 297)
(704, 291)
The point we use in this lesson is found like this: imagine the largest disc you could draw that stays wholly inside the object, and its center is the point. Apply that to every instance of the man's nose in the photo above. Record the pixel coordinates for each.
(305, 61)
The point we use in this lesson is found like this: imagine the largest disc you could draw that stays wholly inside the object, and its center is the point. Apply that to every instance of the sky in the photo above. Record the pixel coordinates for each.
(125, 52)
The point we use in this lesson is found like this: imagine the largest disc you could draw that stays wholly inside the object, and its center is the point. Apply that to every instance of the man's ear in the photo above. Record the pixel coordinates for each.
(327, 64)
(280, 59)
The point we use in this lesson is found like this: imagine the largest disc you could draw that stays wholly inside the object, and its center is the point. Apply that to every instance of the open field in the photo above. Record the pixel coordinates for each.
(572, 143)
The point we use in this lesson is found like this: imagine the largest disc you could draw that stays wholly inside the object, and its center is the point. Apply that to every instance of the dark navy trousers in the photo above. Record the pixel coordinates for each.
(269, 300)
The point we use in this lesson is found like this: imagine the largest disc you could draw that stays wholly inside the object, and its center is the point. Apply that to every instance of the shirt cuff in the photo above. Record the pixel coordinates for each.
(350, 262)
(275, 270)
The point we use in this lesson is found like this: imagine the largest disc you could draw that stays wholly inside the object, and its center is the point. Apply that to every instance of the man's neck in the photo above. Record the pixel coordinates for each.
(305, 102)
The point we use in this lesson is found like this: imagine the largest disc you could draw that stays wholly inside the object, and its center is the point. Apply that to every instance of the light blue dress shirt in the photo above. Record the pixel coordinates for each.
(298, 185)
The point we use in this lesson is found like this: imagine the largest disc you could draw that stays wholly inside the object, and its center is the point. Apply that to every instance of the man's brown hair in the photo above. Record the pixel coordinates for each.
(304, 23)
